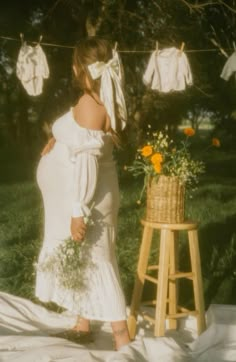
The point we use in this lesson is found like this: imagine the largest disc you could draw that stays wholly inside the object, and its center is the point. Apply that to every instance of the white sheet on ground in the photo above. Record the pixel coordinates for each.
(25, 330)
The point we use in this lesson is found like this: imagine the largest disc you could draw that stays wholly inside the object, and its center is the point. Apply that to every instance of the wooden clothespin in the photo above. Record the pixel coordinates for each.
(182, 47)
(22, 38)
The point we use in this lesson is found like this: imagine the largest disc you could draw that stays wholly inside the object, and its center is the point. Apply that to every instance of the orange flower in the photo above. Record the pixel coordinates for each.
(157, 158)
(157, 167)
(146, 151)
(215, 142)
(189, 132)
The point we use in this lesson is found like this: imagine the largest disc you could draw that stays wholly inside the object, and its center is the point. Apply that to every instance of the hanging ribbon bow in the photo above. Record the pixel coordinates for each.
(110, 72)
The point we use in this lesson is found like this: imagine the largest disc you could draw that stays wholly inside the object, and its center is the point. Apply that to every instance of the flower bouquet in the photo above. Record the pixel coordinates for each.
(68, 262)
(168, 170)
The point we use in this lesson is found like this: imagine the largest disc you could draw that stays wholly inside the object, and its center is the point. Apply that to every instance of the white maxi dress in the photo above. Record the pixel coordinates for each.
(80, 171)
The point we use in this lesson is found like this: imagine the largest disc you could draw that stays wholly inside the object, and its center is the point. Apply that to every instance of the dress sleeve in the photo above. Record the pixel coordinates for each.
(85, 159)
(185, 69)
(229, 67)
(148, 74)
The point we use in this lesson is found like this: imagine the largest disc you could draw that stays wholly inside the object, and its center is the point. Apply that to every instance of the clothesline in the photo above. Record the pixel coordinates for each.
(119, 51)
(151, 77)
(36, 42)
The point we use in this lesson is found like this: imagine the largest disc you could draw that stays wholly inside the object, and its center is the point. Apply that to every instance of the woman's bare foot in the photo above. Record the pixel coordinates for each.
(82, 325)
(120, 333)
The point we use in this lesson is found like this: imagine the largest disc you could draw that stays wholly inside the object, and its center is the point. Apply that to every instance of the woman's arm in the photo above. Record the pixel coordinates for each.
(77, 228)
(91, 114)
(48, 146)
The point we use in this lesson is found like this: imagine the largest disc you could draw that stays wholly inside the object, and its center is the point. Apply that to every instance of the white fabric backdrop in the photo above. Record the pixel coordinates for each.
(25, 328)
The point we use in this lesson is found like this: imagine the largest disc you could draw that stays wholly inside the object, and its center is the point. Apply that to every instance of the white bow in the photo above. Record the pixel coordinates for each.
(110, 72)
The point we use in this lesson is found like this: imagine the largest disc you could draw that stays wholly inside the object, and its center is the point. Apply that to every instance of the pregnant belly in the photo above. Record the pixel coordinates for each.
(55, 170)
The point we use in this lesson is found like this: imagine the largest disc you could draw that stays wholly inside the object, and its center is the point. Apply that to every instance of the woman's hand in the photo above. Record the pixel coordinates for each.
(77, 228)
(48, 146)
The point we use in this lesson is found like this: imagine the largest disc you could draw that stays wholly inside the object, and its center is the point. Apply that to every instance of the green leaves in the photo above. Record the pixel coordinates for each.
(68, 262)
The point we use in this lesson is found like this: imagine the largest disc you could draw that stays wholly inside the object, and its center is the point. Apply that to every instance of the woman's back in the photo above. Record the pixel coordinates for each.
(90, 113)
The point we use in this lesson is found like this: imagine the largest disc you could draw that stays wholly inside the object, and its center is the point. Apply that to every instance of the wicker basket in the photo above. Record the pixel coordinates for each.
(165, 200)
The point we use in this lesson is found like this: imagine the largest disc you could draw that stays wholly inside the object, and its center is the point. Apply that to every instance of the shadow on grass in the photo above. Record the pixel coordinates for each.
(217, 243)
(222, 191)
(218, 258)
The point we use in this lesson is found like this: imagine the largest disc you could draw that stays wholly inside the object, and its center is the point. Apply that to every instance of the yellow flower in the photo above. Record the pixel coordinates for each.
(138, 202)
(215, 142)
(125, 168)
(157, 167)
(189, 132)
(157, 158)
(146, 151)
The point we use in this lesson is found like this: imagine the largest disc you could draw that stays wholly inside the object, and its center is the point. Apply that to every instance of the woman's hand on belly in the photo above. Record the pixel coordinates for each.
(48, 146)
(78, 228)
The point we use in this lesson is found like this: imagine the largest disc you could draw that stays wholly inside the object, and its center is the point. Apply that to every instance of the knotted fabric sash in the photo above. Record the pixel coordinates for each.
(110, 73)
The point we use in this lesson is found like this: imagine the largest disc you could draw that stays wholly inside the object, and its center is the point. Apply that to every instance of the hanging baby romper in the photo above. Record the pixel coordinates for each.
(168, 70)
(32, 68)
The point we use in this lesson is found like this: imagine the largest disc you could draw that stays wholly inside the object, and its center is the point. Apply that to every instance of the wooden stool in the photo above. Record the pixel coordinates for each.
(168, 276)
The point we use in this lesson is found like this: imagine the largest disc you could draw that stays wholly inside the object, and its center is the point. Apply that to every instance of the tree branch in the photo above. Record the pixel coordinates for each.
(199, 6)
(227, 6)
(208, 3)
(219, 47)
(92, 28)
(50, 11)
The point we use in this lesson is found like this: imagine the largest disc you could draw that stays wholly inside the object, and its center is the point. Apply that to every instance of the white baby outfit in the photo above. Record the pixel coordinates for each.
(229, 67)
(168, 70)
(32, 68)
(77, 172)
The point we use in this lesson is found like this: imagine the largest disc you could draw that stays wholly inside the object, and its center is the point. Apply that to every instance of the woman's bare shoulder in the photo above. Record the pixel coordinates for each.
(91, 101)
(90, 113)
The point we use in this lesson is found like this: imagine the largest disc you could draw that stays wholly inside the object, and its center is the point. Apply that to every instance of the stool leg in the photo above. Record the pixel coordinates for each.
(197, 280)
(164, 257)
(139, 281)
(173, 297)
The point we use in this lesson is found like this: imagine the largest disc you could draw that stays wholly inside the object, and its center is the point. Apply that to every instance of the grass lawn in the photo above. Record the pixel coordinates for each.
(213, 205)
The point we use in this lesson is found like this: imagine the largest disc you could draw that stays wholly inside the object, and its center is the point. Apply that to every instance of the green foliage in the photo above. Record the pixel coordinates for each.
(20, 234)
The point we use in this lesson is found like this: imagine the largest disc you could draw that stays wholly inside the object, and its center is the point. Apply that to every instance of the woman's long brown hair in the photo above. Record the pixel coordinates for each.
(86, 52)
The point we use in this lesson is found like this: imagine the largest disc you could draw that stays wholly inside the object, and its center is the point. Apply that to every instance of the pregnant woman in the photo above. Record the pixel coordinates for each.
(77, 178)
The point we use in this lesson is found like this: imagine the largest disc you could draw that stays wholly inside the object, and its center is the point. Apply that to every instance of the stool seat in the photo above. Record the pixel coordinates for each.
(168, 275)
(186, 225)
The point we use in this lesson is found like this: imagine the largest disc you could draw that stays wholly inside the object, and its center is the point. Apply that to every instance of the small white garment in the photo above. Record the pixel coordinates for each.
(111, 74)
(168, 70)
(32, 68)
(229, 67)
